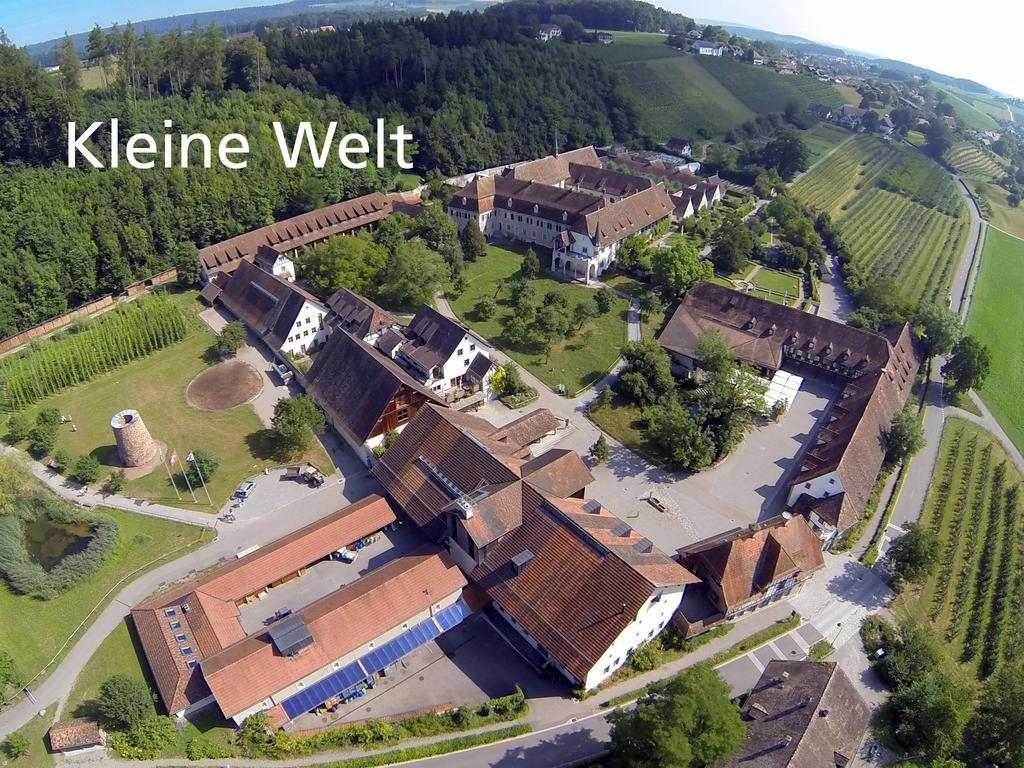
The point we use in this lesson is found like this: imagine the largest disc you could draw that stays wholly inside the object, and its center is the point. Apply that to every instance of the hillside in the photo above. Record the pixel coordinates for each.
(679, 94)
(898, 212)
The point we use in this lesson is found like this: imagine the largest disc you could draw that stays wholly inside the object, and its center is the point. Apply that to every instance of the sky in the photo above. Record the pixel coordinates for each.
(980, 40)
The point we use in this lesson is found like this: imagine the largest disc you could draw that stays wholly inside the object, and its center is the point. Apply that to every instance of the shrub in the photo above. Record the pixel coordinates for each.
(485, 308)
(231, 338)
(203, 462)
(41, 440)
(146, 740)
(18, 427)
(646, 657)
(87, 469)
(62, 459)
(202, 748)
(16, 746)
(115, 482)
(296, 419)
(125, 702)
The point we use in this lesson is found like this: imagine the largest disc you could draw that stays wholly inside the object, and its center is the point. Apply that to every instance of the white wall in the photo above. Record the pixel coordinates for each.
(457, 364)
(308, 330)
(651, 619)
(821, 487)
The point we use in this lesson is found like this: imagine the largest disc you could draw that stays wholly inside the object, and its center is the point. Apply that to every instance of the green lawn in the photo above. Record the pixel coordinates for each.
(969, 599)
(622, 420)
(969, 116)
(627, 285)
(121, 654)
(155, 386)
(578, 362)
(406, 181)
(773, 281)
(38, 748)
(996, 313)
(42, 626)
(1003, 216)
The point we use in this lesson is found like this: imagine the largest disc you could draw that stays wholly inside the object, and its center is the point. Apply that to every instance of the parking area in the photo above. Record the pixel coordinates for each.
(326, 577)
(465, 666)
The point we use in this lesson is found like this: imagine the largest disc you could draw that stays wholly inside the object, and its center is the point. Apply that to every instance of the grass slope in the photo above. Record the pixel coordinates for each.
(679, 94)
(156, 387)
(971, 598)
(822, 138)
(578, 362)
(996, 310)
(969, 115)
(42, 626)
(907, 233)
(765, 90)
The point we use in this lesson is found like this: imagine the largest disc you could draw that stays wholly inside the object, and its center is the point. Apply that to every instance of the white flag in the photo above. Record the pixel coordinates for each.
(191, 456)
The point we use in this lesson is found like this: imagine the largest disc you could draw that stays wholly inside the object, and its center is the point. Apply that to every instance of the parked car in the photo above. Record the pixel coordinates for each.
(244, 490)
(306, 473)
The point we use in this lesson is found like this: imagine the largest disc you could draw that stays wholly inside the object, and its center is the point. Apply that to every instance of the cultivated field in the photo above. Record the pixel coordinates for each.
(975, 597)
(975, 163)
(995, 316)
(42, 626)
(969, 115)
(577, 362)
(822, 138)
(679, 94)
(893, 208)
(1002, 214)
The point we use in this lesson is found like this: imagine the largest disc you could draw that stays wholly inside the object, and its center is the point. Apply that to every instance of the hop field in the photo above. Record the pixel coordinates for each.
(899, 213)
(975, 597)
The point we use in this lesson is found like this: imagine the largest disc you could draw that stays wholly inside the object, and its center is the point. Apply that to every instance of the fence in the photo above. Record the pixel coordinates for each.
(86, 310)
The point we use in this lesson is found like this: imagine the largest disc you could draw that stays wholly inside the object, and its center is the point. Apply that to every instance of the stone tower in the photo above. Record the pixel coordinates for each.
(135, 447)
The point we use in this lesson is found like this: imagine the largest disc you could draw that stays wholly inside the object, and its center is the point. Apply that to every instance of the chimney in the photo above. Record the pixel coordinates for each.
(520, 561)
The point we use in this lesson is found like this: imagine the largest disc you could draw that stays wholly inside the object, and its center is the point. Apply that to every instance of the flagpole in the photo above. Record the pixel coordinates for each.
(192, 457)
(184, 473)
(163, 460)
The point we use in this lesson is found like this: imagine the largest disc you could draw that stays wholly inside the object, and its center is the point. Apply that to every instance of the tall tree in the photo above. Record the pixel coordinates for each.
(69, 65)
(968, 365)
(998, 726)
(97, 50)
(939, 328)
(905, 436)
(686, 722)
(474, 245)
(678, 267)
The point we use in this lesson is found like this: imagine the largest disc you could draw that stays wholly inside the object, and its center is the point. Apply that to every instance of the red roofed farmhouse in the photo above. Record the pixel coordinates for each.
(569, 577)
(295, 661)
(875, 372)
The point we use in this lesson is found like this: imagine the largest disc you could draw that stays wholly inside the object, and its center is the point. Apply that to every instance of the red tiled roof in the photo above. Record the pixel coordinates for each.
(298, 231)
(590, 573)
(878, 371)
(211, 623)
(744, 563)
(75, 734)
(247, 672)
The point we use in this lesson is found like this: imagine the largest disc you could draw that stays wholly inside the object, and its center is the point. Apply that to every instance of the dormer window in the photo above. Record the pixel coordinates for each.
(464, 201)
(509, 203)
(536, 209)
(565, 216)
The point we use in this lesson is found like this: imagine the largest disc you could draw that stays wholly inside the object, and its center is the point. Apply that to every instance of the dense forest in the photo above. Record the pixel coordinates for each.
(475, 89)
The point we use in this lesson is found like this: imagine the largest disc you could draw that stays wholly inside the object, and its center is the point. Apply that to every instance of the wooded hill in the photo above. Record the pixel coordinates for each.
(475, 89)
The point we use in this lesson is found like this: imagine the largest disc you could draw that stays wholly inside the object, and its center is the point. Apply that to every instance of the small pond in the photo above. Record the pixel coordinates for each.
(48, 542)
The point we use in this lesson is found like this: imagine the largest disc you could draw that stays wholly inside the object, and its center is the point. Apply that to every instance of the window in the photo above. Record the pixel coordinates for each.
(459, 352)
(405, 626)
(186, 650)
(175, 624)
(831, 481)
(305, 333)
(180, 638)
(467, 362)
(301, 685)
(371, 644)
(170, 612)
(191, 663)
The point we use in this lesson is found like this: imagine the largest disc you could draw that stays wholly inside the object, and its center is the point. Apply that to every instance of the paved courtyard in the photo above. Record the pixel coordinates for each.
(750, 485)
(465, 666)
(328, 576)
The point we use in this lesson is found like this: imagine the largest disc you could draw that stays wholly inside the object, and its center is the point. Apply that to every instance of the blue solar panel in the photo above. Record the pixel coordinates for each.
(345, 680)
(452, 615)
(334, 684)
